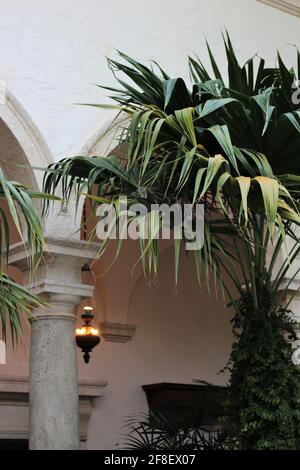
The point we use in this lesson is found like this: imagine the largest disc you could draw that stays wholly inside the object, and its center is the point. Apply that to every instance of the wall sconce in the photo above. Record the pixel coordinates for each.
(87, 337)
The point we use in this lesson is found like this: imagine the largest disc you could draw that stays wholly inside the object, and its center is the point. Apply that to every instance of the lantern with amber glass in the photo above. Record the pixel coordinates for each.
(87, 336)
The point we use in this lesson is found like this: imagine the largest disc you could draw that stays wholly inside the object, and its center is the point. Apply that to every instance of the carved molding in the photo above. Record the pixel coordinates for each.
(80, 250)
(14, 392)
(117, 332)
(58, 276)
(286, 6)
(50, 286)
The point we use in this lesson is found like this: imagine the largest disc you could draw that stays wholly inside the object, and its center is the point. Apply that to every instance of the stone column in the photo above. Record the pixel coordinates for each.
(53, 394)
(54, 409)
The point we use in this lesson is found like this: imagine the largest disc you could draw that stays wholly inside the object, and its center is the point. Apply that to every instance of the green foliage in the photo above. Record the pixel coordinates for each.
(264, 393)
(230, 145)
(168, 428)
(234, 146)
(18, 211)
(16, 302)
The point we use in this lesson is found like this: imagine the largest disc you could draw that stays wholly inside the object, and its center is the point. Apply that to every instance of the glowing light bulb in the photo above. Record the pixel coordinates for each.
(87, 337)
(88, 309)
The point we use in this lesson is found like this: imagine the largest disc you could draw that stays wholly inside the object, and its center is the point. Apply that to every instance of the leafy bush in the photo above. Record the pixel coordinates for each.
(171, 429)
(264, 397)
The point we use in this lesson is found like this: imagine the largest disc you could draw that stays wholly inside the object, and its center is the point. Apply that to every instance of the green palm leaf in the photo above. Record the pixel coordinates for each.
(231, 144)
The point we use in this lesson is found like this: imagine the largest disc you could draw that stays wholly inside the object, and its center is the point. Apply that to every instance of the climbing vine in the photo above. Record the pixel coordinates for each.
(264, 395)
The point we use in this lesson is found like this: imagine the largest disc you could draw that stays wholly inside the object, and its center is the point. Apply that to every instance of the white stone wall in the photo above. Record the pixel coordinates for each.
(51, 55)
(181, 335)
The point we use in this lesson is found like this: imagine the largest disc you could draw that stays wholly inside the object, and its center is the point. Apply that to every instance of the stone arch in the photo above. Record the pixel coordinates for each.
(21, 138)
(113, 324)
(22, 148)
(125, 273)
(101, 141)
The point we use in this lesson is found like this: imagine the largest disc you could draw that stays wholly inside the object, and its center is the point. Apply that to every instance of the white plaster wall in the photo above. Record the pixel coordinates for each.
(52, 53)
(180, 336)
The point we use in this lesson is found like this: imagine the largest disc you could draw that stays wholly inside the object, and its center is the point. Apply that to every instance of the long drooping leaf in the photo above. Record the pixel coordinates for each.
(229, 142)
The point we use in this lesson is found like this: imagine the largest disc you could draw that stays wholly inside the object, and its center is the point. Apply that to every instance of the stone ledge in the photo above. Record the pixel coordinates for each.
(55, 287)
(14, 391)
(117, 332)
(84, 251)
(20, 385)
(91, 389)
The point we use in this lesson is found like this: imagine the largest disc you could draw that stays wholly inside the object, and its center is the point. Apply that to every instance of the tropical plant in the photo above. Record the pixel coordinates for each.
(18, 212)
(169, 428)
(264, 402)
(232, 145)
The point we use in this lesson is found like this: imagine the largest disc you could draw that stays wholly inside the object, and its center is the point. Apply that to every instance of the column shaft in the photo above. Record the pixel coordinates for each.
(54, 408)
(54, 415)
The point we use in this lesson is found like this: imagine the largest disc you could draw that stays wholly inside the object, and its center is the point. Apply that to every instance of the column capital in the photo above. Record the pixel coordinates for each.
(58, 276)
(56, 290)
(80, 250)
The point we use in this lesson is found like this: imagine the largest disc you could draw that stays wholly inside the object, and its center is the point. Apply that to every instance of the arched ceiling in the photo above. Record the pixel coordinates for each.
(13, 160)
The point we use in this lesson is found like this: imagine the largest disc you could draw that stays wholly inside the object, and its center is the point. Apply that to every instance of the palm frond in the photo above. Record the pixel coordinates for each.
(18, 212)
(229, 143)
(16, 303)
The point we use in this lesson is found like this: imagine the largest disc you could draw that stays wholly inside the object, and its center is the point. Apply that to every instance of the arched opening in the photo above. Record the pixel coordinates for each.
(21, 148)
(177, 336)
